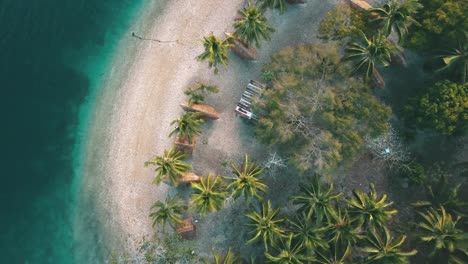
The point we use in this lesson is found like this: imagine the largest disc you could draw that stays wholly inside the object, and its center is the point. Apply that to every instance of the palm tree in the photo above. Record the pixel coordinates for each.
(252, 25)
(229, 258)
(334, 254)
(343, 229)
(280, 4)
(289, 253)
(368, 208)
(171, 165)
(397, 15)
(382, 248)
(441, 232)
(369, 52)
(197, 94)
(456, 60)
(188, 126)
(248, 182)
(265, 225)
(208, 195)
(169, 211)
(215, 51)
(317, 200)
(308, 235)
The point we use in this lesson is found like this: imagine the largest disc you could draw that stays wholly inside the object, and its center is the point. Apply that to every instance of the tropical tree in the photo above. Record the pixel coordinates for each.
(170, 211)
(265, 225)
(171, 165)
(308, 235)
(197, 94)
(397, 15)
(456, 61)
(229, 258)
(370, 52)
(216, 51)
(208, 195)
(280, 4)
(367, 208)
(252, 26)
(289, 253)
(343, 230)
(247, 181)
(383, 248)
(317, 200)
(334, 254)
(441, 232)
(187, 126)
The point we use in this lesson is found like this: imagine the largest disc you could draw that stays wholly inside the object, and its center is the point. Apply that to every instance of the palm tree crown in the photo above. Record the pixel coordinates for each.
(397, 15)
(317, 200)
(208, 195)
(170, 164)
(343, 229)
(382, 248)
(370, 52)
(197, 94)
(308, 235)
(265, 225)
(456, 60)
(368, 208)
(188, 126)
(170, 211)
(439, 229)
(252, 26)
(216, 51)
(289, 253)
(229, 258)
(248, 181)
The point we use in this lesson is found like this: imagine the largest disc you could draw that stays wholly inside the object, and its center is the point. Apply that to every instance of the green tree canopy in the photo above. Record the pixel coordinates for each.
(208, 195)
(216, 51)
(443, 107)
(341, 23)
(171, 164)
(187, 126)
(252, 25)
(169, 211)
(314, 111)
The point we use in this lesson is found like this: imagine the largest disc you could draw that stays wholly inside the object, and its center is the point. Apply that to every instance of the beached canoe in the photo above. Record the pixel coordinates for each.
(206, 110)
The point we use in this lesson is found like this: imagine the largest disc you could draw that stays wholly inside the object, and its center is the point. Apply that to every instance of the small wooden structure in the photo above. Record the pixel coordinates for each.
(241, 48)
(243, 108)
(207, 111)
(186, 229)
(185, 179)
(360, 4)
(184, 145)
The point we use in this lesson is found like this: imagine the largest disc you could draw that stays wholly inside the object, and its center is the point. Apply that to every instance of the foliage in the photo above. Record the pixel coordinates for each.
(289, 253)
(335, 254)
(188, 126)
(397, 15)
(342, 23)
(280, 4)
(170, 164)
(208, 195)
(415, 172)
(177, 250)
(252, 25)
(444, 23)
(317, 200)
(367, 53)
(456, 61)
(265, 225)
(441, 232)
(308, 235)
(343, 230)
(313, 111)
(369, 209)
(169, 211)
(229, 258)
(443, 107)
(197, 94)
(216, 51)
(248, 181)
(382, 248)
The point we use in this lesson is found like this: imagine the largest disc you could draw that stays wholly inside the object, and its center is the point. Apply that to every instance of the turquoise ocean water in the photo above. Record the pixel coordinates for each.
(52, 54)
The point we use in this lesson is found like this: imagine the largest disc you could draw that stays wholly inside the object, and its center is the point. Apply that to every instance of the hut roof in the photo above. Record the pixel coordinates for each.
(189, 177)
(361, 4)
(206, 110)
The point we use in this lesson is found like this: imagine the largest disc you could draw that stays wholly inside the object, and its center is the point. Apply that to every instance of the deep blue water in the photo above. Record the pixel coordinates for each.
(43, 47)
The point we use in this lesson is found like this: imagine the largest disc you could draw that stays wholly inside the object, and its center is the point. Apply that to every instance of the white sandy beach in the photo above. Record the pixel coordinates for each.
(141, 97)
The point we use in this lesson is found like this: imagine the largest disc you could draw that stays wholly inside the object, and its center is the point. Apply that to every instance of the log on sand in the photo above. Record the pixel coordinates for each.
(207, 111)
(186, 229)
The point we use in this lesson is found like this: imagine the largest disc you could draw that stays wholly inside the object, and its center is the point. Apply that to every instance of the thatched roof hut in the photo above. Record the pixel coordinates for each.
(207, 111)
(186, 229)
(185, 179)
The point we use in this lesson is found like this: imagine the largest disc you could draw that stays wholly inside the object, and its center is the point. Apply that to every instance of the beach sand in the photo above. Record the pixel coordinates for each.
(141, 96)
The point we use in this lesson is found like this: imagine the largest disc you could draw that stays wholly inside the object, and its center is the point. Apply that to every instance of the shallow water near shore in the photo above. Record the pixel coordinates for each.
(53, 54)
